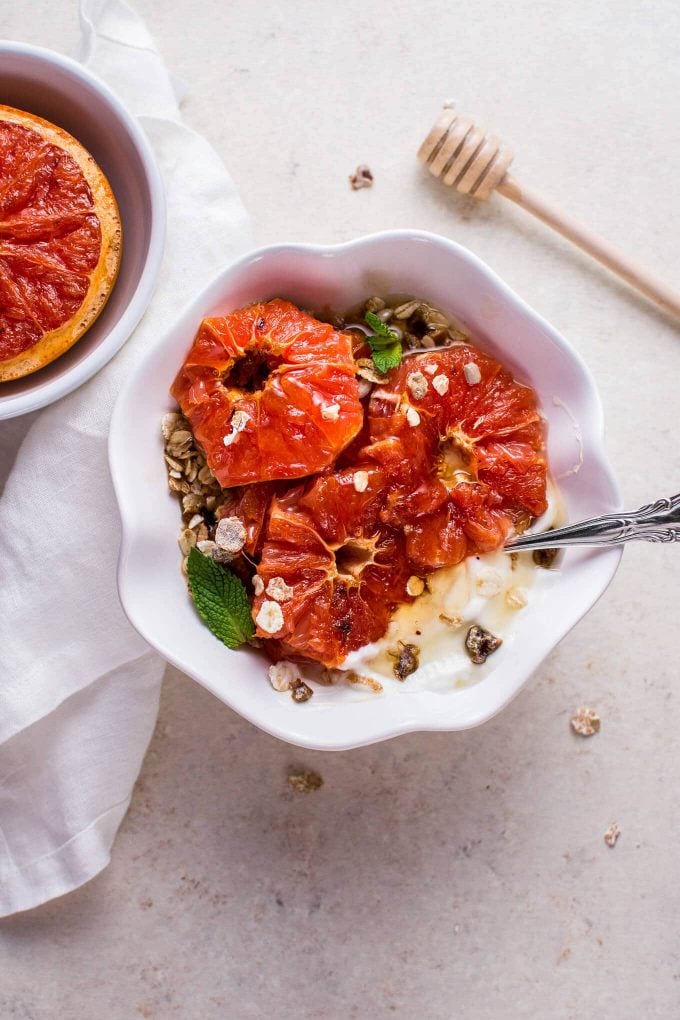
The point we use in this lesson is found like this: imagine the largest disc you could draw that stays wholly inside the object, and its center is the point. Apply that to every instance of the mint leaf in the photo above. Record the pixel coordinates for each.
(385, 345)
(386, 358)
(379, 327)
(221, 599)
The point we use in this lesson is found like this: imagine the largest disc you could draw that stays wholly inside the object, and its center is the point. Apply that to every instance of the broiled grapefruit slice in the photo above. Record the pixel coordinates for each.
(270, 393)
(60, 242)
(466, 448)
(343, 572)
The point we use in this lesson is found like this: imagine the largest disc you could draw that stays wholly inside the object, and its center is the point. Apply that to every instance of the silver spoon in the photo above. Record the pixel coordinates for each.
(656, 522)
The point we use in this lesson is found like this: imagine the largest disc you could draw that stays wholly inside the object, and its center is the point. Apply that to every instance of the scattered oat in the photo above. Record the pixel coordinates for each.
(360, 680)
(412, 416)
(186, 541)
(269, 617)
(451, 621)
(415, 586)
(417, 384)
(367, 371)
(516, 598)
(279, 590)
(545, 557)
(407, 660)
(169, 423)
(330, 412)
(304, 782)
(195, 521)
(230, 534)
(586, 722)
(361, 178)
(431, 369)
(283, 675)
(441, 384)
(238, 422)
(258, 584)
(612, 834)
(360, 481)
(472, 373)
(480, 644)
(300, 691)
(207, 547)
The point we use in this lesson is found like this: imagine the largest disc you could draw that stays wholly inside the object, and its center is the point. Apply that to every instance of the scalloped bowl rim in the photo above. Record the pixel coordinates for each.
(343, 725)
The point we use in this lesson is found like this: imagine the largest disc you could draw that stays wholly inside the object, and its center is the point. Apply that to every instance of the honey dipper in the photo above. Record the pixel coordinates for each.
(465, 156)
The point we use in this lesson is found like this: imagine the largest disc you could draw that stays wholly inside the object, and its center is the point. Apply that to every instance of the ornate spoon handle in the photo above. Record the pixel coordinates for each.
(656, 522)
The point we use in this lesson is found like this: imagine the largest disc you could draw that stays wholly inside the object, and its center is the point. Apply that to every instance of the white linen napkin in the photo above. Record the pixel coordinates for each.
(78, 687)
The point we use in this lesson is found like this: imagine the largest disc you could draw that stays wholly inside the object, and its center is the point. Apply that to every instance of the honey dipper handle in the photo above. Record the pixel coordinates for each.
(610, 256)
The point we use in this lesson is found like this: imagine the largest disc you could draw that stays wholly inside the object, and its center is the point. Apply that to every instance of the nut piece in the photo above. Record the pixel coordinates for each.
(480, 644)
(412, 416)
(612, 834)
(586, 722)
(279, 590)
(269, 617)
(304, 782)
(431, 369)
(283, 675)
(472, 373)
(300, 691)
(330, 412)
(545, 557)
(258, 584)
(415, 586)
(361, 178)
(441, 384)
(360, 481)
(417, 384)
(230, 534)
(407, 660)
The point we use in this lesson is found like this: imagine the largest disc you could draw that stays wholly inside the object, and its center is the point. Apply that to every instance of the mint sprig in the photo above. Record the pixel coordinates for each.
(221, 599)
(385, 344)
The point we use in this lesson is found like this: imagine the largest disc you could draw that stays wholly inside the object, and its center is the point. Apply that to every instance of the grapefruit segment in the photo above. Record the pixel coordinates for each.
(270, 393)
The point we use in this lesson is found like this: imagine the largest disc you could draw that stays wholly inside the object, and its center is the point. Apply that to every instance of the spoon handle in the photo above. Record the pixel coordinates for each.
(656, 522)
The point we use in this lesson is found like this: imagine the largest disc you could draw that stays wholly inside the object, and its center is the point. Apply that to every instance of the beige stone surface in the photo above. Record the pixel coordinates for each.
(443, 876)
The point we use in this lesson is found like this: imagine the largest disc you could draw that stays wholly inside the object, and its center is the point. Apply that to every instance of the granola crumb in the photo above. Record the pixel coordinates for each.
(304, 782)
(516, 598)
(258, 584)
(279, 590)
(480, 644)
(361, 178)
(417, 384)
(472, 373)
(431, 369)
(412, 417)
(545, 557)
(407, 660)
(230, 534)
(415, 586)
(300, 691)
(330, 412)
(360, 481)
(451, 621)
(441, 384)
(238, 422)
(282, 675)
(269, 618)
(586, 722)
(360, 680)
(612, 834)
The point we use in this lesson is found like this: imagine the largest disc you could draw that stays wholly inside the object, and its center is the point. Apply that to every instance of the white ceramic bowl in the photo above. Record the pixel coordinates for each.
(151, 587)
(64, 92)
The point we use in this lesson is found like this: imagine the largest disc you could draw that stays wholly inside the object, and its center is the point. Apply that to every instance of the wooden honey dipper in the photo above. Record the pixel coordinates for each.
(476, 163)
